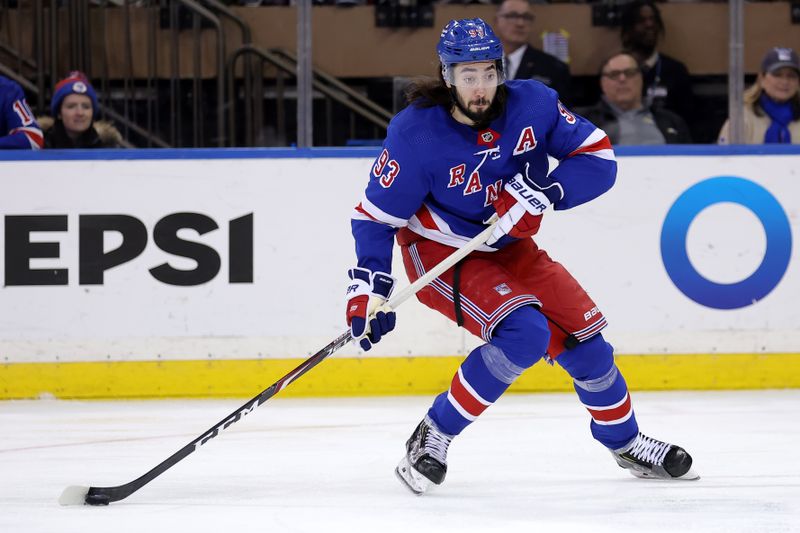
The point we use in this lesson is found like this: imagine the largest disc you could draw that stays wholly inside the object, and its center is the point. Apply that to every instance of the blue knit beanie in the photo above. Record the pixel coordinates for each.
(75, 83)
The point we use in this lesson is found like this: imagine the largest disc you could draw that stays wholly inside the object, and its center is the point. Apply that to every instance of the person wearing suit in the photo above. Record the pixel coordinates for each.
(513, 25)
(624, 115)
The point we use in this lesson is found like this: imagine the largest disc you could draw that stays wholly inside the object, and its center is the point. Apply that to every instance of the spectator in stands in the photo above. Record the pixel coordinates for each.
(18, 127)
(666, 80)
(623, 114)
(772, 103)
(514, 24)
(74, 107)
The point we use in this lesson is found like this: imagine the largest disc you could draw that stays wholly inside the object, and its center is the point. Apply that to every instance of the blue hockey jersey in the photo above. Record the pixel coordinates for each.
(18, 127)
(439, 178)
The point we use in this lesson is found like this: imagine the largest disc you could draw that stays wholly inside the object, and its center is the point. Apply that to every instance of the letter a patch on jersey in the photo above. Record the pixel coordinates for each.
(526, 141)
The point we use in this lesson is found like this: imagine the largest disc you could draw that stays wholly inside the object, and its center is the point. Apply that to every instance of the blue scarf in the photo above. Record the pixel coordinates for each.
(781, 115)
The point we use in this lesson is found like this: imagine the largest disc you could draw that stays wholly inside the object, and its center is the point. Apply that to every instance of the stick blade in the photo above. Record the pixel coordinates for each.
(74, 495)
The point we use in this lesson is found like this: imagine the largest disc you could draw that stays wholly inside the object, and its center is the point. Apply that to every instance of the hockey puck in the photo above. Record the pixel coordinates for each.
(97, 499)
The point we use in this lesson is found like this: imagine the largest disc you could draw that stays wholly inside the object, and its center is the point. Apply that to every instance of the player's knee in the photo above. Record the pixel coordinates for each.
(522, 336)
(591, 359)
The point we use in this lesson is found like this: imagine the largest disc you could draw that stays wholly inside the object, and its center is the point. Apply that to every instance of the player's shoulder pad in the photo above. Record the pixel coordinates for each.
(531, 100)
(530, 89)
(415, 124)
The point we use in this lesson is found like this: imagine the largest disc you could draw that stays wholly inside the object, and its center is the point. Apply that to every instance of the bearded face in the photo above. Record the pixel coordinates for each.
(474, 87)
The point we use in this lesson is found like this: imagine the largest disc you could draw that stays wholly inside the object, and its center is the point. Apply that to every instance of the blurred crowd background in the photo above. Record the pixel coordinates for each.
(208, 73)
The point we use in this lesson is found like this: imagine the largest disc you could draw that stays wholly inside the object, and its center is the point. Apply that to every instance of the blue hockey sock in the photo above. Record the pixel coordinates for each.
(517, 343)
(602, 390)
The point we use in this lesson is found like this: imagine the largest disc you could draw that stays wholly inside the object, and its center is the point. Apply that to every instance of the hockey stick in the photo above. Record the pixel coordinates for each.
(76, 495)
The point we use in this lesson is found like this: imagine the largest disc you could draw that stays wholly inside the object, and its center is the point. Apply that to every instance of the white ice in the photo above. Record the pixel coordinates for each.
(326, 465)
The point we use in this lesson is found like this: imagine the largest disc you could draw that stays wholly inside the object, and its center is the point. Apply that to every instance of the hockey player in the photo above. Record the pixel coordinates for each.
(18, 127)
(468, 146)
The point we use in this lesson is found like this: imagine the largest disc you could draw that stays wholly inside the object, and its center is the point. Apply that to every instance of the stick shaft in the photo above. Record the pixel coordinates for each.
(105, 495)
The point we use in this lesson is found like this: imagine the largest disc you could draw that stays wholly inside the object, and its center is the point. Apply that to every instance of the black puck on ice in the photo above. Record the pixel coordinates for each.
(97, 499)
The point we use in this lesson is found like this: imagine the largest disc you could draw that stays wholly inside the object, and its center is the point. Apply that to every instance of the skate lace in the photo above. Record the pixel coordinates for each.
(648, 449)
(435, 444)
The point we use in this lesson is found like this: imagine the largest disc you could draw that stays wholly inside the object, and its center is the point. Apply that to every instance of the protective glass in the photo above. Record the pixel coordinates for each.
(474, 75)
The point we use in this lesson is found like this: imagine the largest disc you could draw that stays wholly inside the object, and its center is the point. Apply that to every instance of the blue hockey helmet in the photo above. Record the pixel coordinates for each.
(469, 41)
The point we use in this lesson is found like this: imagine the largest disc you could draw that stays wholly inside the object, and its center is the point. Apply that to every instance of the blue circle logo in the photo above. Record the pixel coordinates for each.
(776, 258)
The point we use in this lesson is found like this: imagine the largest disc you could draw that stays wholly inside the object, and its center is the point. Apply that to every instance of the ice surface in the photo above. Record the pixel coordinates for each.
(326, 465)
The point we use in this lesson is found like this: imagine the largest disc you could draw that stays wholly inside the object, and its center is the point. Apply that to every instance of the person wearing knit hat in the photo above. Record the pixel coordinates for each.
(772, 104)
(75, 83)
(74, 106)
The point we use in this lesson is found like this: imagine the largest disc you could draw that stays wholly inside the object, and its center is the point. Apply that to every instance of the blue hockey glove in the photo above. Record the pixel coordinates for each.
(520, 206)
(368, 314)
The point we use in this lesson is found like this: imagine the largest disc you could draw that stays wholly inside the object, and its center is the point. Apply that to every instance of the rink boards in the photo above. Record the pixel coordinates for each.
(156, 273)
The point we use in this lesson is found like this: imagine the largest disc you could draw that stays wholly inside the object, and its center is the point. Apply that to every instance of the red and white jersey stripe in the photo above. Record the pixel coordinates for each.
(34, 136)
(366, 210)
(596, 144)
(430, 225)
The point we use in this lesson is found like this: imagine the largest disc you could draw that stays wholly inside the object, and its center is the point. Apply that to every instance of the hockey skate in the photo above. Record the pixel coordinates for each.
(425, 462)
(649, 458)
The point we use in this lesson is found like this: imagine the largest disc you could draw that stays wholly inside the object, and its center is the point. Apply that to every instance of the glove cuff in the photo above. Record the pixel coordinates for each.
(528, 195)
(359, 283)
(364, 281)
(382, 284)
(358, 273)
(553, 190)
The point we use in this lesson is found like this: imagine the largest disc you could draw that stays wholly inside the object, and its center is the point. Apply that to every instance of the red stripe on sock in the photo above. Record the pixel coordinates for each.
(609, 415)
(466, 400)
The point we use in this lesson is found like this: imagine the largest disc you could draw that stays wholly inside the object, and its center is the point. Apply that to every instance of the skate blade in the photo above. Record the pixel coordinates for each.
(691, 475)
(413, 480)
